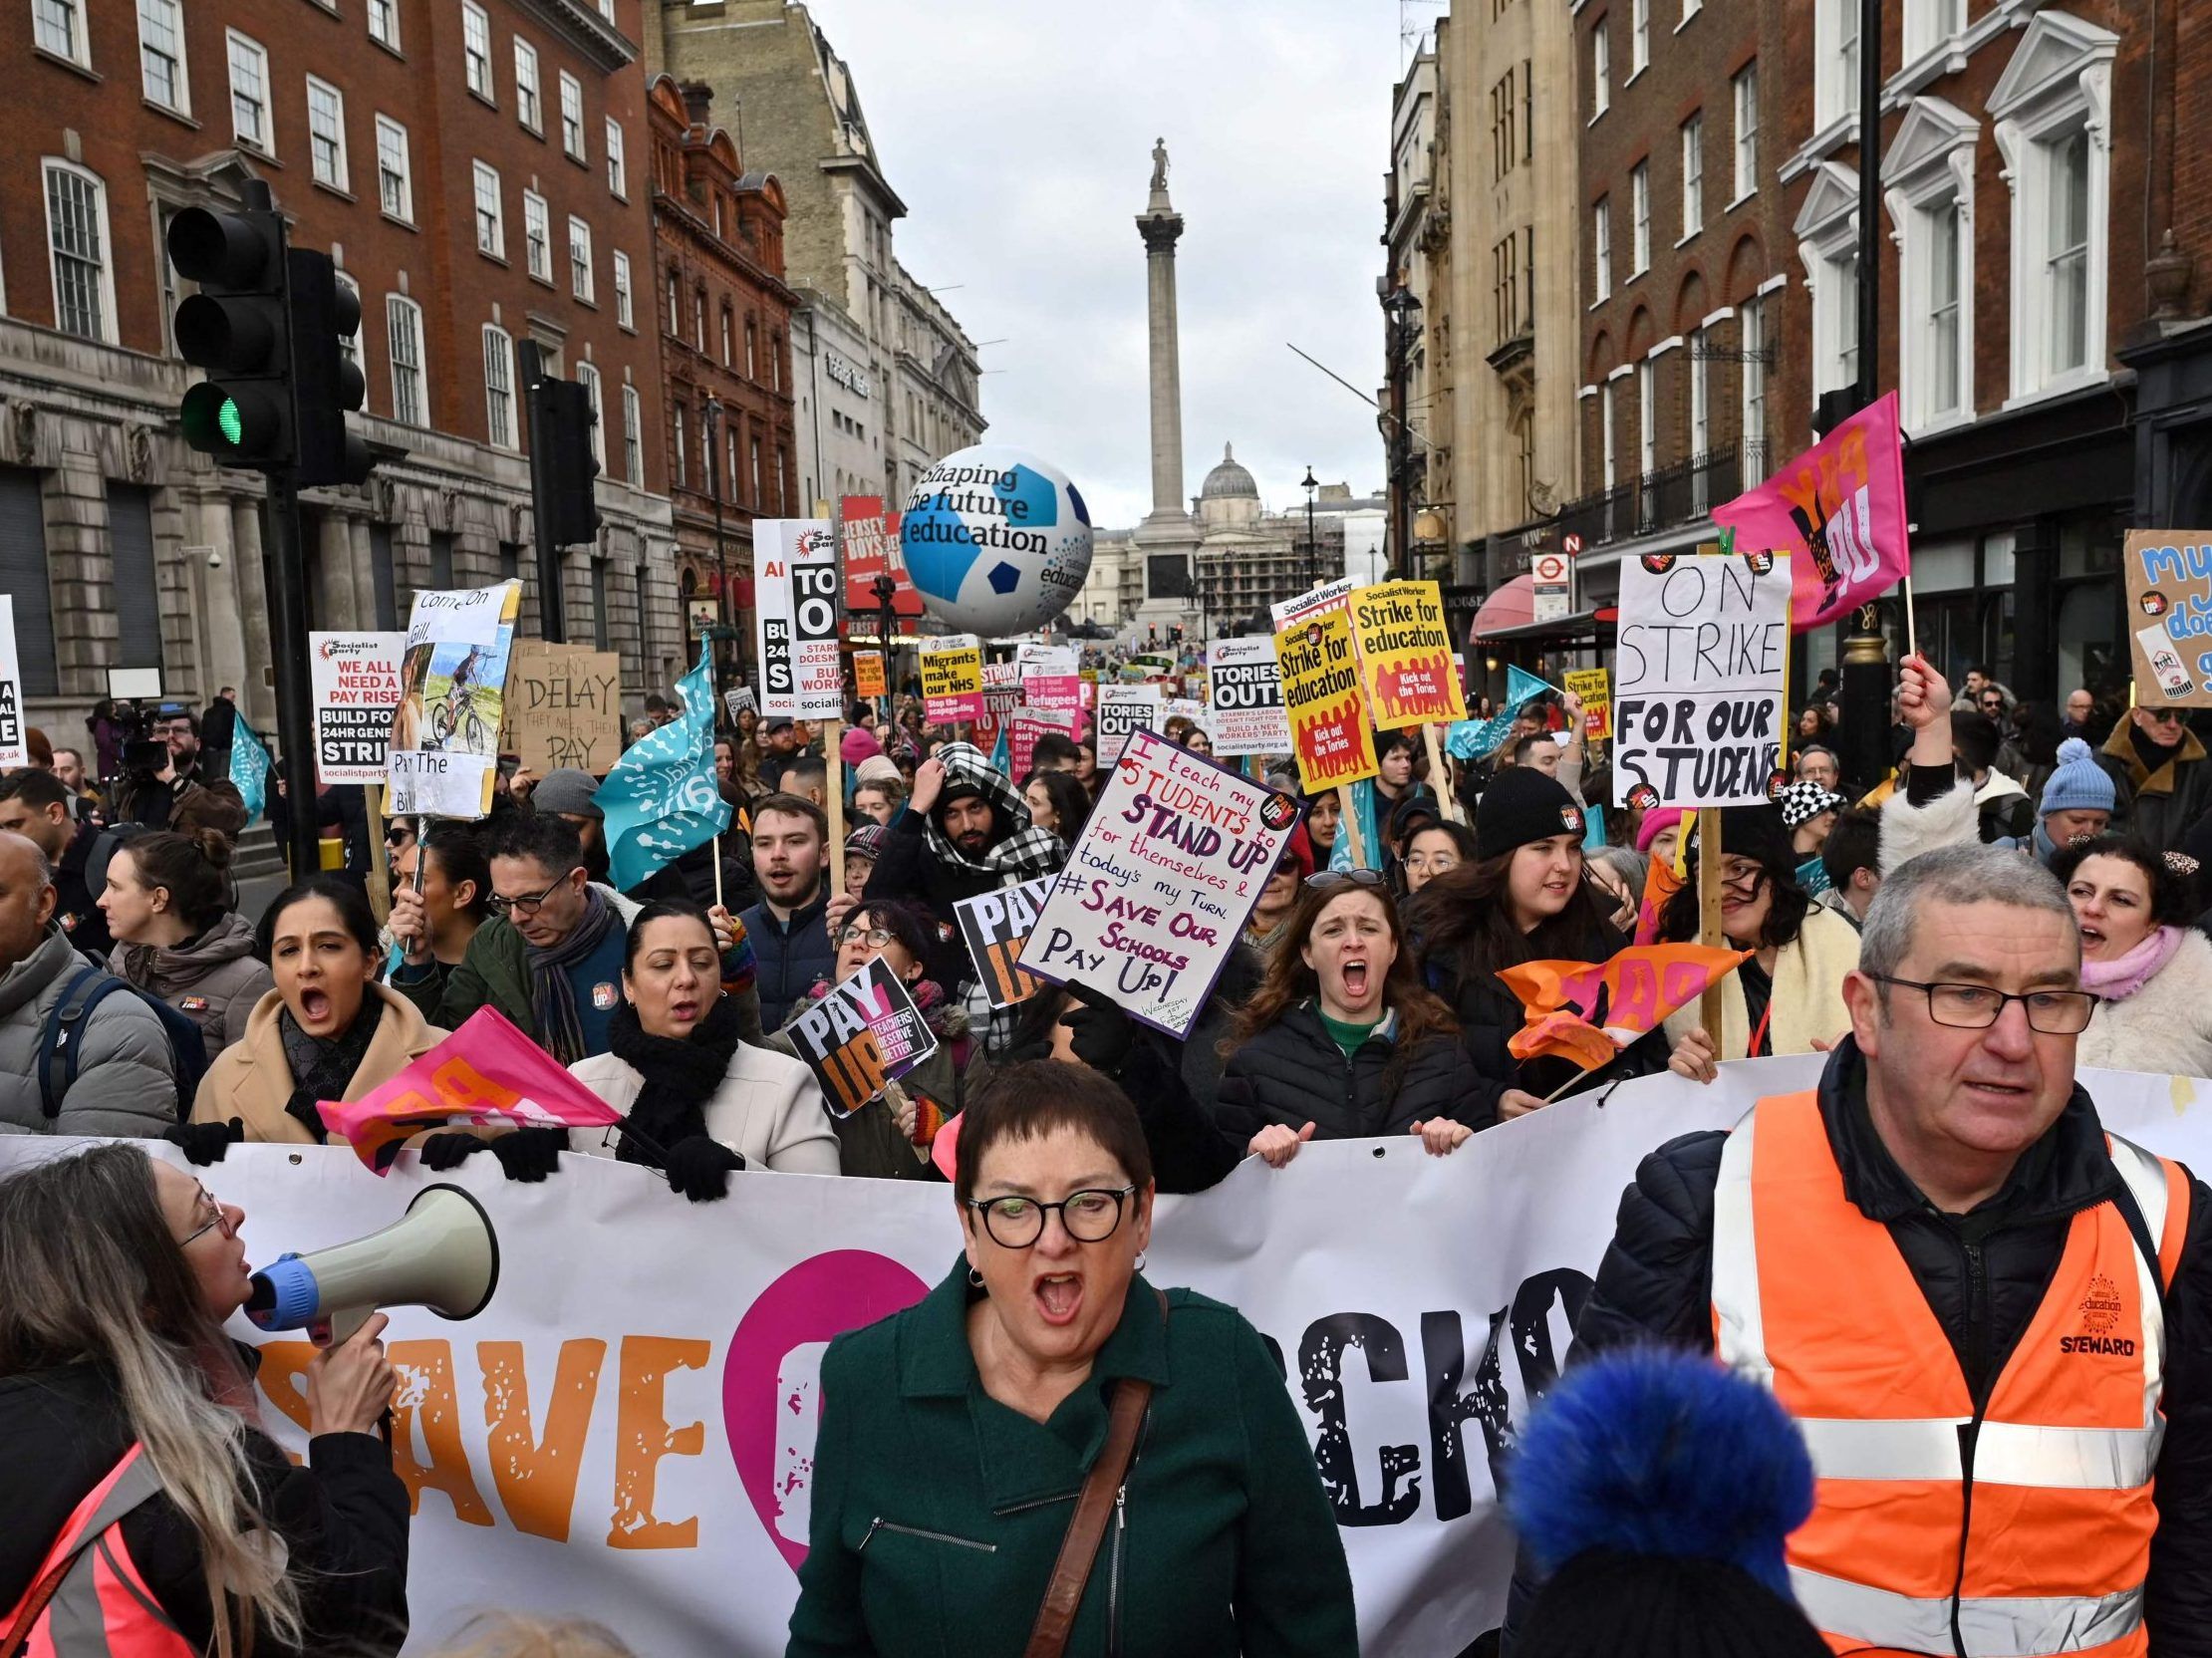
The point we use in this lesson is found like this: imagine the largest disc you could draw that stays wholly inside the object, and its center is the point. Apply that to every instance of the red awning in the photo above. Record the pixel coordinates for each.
(1512, 605)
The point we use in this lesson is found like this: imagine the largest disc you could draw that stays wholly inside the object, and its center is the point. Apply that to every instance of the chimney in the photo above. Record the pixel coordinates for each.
(698, 99)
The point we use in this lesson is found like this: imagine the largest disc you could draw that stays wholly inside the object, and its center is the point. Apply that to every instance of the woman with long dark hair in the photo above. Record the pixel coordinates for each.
(1057, 803)
(167, 902)
(1341, 1041)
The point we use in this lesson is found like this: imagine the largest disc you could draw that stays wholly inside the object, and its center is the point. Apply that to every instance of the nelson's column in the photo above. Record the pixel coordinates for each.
(1167, 540)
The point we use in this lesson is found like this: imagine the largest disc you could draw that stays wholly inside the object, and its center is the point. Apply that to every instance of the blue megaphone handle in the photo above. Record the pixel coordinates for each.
(291, 1295)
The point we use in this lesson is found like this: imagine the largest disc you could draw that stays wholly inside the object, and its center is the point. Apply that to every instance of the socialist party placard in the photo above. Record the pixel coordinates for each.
(1698, 704)
(354, 681)
(1159, 885)
(1247, 688)
(795, 618)
(1123, 709)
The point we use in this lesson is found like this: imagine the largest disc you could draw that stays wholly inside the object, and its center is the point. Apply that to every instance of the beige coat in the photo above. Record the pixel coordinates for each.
(1807, 997)
(251, 1079)
(769, 1110)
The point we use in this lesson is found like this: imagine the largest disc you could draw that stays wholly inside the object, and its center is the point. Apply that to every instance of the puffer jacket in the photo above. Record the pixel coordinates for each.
(1294, 1073)
(125, 1078)
(212, 979)
(1983, 1273)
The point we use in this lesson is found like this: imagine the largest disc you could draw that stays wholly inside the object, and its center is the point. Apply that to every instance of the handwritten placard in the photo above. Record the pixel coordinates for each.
(424, 781)
(2169, 607)
(564, 708)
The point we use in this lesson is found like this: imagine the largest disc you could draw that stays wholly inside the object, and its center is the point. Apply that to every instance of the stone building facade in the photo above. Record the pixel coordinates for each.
(475, 172)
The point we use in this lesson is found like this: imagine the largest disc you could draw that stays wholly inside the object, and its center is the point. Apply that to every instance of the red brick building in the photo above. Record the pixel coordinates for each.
(725, 321)
(478, 168)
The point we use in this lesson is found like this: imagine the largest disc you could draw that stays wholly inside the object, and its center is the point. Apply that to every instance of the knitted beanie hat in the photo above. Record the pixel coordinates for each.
(1521, 806)
(2080, 784)
(567, 791)
(1656, 823)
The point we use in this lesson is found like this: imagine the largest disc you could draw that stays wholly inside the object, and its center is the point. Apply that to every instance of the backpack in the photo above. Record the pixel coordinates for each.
(61, 1039)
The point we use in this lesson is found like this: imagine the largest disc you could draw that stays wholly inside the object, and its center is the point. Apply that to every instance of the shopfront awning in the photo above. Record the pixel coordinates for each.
(1510, 606)
(1583, 624)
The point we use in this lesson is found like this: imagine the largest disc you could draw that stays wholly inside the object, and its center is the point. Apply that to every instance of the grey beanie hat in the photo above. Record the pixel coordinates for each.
(567, 790)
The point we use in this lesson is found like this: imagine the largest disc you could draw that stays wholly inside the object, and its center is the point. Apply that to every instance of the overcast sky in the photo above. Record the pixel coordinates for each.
(1019, 134)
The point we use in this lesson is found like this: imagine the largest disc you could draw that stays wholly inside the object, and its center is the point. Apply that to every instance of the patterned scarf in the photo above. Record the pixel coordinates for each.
(325, 1070)
(1023, 852)
(682, 1073)
(552, 998)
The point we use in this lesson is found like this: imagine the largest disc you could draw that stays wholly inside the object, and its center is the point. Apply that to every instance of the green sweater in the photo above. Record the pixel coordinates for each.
(937, 1511)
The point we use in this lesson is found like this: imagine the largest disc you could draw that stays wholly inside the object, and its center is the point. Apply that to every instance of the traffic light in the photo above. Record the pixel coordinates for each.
(236, 328)
(561, 454)
(325, 382)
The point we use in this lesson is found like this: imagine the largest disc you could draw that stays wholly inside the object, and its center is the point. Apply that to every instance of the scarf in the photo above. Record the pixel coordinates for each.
(2118, 980)
(1023, 853)
(325, 1070)
(682, 1073)
(552, 998)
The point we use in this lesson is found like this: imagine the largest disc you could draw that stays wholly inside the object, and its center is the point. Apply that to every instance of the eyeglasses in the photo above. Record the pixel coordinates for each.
(1329, 879)
(873, 937)
(2164, 717)
(221, 1220)
(1978, 1006)
(399, 834)
(526, 905)
(1089, 1217)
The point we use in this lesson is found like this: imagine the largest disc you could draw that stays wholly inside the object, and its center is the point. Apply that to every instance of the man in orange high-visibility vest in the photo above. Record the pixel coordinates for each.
(1991, 1318)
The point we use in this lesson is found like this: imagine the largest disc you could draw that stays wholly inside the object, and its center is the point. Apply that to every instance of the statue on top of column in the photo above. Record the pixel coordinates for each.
(1159, 164)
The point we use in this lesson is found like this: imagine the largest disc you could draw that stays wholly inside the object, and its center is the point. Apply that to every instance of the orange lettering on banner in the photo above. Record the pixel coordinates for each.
(282, 1376)
(536, 1479)
(643, 1437)
(427, 1398)
(461, 1084)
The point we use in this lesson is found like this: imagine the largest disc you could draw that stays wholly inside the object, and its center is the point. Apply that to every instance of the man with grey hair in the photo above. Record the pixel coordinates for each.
(125, 1080)
(1992, 1319)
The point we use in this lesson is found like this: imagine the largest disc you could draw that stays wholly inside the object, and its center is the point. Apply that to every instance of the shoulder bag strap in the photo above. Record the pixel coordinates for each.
(1094, 1505)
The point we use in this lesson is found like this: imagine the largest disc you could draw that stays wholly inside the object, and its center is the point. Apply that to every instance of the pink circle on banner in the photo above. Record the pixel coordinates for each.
(768, 1415)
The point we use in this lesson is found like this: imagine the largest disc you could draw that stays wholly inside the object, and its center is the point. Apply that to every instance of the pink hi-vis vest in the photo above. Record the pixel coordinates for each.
(102, 1607)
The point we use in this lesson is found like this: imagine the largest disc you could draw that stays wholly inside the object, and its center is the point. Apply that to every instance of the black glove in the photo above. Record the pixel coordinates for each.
(530, 1154)
(1098, 1030)
(448, 1151)
(700, 1168)
(206, 1143)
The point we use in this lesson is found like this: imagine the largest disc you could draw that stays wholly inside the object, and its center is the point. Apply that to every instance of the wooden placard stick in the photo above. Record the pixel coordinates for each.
(833, 762)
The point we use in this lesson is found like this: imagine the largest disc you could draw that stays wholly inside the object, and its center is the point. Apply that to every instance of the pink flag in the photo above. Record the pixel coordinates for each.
(485, 1072)
(1838, 510)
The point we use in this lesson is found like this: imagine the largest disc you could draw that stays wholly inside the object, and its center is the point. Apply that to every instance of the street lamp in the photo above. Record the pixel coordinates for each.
(1312, 487)
(1400, 310)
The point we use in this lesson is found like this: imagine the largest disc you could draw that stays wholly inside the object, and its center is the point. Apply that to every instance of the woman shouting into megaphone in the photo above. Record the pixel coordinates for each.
(147, 1512)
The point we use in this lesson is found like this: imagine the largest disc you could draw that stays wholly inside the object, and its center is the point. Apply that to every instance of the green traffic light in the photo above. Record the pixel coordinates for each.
(230, 423)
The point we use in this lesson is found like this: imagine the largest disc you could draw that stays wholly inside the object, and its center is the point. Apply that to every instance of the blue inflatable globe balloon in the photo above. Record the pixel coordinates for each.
(998, 541)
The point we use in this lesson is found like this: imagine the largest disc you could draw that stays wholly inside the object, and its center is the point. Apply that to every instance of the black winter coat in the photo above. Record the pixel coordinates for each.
(1984, 1273)
(908, 871)
(344, 1516)
(1294, 1073)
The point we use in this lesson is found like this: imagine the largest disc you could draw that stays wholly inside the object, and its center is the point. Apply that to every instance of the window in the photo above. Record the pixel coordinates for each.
(752, 350)
(699, 319)
(1929, 23)
(526, 102)
(623, 312)
(1751, 320)
(57, 26)
(633, 442)
(1639, 37)
(572, 115)
(1601, 247)
(1835, 61)
(1827, 242)
(498, 388)
(1647, 416)
(1510, 301)
(250, 94)
(1942, 332)
(1601, 69)
(728, 334)
(1746, 130)
(675, 304)
(2065, 252)
(1505, 118)
(403, 320)
(1841, 283)
(1639, 197)
(326, 132)
(1701, 422)
(616, 181)
(1929, 177)
(383, 23)
(1606, 449)
(476, 49)
(587, 375)
(395, 181)
(1693, 175)
(77, 235)
(679, 440)
(162, 54)
(775, 362)
(491, 228)
(759, 494)
(537, 237)
(580, 259)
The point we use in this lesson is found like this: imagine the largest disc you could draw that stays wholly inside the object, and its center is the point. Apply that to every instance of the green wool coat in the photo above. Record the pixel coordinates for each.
(937, 1512)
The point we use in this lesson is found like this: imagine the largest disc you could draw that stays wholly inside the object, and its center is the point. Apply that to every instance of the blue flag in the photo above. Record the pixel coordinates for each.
(250, 769)
(661, 799)
(1470, 739)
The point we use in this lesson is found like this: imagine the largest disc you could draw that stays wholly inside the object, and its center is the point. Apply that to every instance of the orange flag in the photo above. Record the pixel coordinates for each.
(1588, 1011)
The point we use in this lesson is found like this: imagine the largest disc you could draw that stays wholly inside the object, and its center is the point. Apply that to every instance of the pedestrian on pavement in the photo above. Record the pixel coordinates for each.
(167, 902)
(39, 806)
(789, 934)
(2159, 772)
(217, 728)
(2141, 954)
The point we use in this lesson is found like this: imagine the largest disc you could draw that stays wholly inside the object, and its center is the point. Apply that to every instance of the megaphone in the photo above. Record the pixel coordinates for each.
(441, 1254)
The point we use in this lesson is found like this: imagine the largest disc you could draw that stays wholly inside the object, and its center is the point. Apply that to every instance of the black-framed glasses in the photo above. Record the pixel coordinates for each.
(221, 1222)
(873, 937)
(1089, 1216)
(399, 834)
(2165, 717)
(1978, 1006)
(1322, 881)
(528, 903)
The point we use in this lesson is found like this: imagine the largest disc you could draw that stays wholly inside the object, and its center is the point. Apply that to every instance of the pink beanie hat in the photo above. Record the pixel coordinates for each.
(1656, 823)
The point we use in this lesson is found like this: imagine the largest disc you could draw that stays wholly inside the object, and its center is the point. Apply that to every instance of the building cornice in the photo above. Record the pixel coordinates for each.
(608, 48)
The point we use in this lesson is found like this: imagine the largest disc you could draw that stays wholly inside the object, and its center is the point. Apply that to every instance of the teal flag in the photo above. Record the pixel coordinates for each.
(1362, 796)
(661, 799)
(1471, 739)
(250, 769)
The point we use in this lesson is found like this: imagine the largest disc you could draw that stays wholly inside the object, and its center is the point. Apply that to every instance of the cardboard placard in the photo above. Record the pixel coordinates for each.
(1161, 882)
(952, 678)
(1405, 654)
(1249, 716)
(994, 925)
(868, 674)
(1124, 710)
(796, 586)
(1703, 648)
(354, 679)
(1322, 698)
(2169, 611)
(863, 1035)
(564, 708)
(1595, 687)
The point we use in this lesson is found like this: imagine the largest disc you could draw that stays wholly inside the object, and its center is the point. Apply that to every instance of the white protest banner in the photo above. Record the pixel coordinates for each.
(14, 747)
(1249, 717)
(994, 925)
(795, 618)
(354, 679)
(627, 1433)
(424, 781)
(1038, 659)
(1335, 595)
(1124, 710)
(861, 1035)
(1698, 697)
(452, 700)
(1160, 883)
